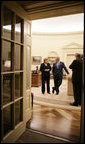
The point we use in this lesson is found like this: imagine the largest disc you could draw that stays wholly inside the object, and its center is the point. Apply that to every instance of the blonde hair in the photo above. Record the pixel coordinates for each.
(45, 59)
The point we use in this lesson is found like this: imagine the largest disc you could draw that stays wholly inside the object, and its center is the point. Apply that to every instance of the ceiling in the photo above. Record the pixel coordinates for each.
(46, 9)
(62, 24)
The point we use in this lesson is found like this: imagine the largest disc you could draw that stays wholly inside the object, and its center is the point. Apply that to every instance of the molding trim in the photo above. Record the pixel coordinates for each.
(58, 34)
(73, 45)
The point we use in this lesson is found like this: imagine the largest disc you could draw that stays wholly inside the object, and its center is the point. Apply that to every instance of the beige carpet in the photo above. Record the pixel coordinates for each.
(61, 101)
(62, 95)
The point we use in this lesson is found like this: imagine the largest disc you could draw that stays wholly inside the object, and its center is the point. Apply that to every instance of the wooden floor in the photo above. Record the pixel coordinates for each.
(56, 121)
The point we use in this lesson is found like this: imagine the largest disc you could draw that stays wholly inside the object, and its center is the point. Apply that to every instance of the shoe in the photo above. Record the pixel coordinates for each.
(57, 92)
(53, 91)
(43, 93)
(74, 104)
(48, 92)
(79, 104)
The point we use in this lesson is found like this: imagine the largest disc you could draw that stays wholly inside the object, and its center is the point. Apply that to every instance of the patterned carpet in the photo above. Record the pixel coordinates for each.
(62, 95)
(61, 100)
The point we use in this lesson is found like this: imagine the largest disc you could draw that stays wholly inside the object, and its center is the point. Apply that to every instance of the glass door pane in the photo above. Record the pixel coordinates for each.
(27, 28)
(7, 88)
(18, 29)
(7, 23)
(28, 68)
(7, 119)
(18, 59)
(6, 56)
(18, 85)
(18, 112)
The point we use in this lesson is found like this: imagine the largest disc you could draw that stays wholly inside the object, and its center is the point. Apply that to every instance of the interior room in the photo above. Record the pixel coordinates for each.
(52, 37)
(32, 32)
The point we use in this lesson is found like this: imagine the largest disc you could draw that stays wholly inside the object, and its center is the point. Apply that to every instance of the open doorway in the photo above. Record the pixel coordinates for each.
(51, 38)
(16, 71)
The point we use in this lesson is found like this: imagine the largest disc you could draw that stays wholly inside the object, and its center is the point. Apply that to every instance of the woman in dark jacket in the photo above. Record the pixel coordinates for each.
(45, 69)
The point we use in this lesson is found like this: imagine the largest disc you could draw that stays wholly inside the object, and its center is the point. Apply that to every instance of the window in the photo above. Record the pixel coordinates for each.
(6, 56)
(7, 119)
(12, 70)
(18, 86)
(18, 29)
(18, 112)
(18, 57)
(7, 88)
(27, 28)
(7, 23)
(28, 68)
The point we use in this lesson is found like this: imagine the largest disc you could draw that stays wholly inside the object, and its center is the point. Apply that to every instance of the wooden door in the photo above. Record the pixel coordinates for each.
(15, 72)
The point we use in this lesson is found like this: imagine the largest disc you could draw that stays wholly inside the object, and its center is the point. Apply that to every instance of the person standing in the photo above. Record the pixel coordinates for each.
(58, 67)
(76, 67)
(45, 69)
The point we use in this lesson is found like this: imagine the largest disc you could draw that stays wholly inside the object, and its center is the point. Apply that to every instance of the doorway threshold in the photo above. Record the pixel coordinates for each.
(58, 139)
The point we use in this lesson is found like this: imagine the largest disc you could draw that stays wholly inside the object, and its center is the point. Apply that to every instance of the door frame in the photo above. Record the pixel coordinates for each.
(12, 137)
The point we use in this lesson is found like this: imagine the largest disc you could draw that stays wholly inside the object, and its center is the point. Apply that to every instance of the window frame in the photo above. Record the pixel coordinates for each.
(13, 71)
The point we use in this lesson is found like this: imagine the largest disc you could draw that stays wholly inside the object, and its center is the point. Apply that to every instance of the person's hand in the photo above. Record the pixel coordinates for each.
(46, 69)
(68, 75)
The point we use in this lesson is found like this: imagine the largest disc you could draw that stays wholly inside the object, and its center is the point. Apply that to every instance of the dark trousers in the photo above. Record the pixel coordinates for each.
(77, 92)
(57, 82)
(47, 80)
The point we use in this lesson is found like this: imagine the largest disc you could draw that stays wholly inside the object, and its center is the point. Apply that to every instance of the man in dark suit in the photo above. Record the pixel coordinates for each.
(76, 67)
(45, 69)
(58, 74)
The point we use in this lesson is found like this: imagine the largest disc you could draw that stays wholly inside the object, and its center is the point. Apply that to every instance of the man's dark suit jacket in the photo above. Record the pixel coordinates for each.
(59, 70)
(45, 74)
(76, 67)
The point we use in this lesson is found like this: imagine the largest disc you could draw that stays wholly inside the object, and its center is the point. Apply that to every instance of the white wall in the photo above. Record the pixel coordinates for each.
(43, 44)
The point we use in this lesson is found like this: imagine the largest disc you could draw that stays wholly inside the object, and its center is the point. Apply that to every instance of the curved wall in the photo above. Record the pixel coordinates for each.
(63, 44)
